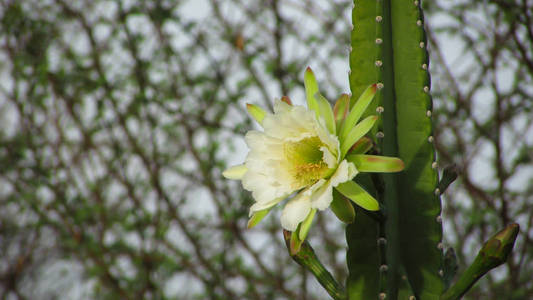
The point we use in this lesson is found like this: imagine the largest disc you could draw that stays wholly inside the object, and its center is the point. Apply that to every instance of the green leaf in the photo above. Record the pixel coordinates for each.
(326, 112)
(311, 88)
(357, 111)
(342, 207)
(306, 225)
(358, 195)
(257, 217)
(356, 133)
(375, 163)
(256, 112)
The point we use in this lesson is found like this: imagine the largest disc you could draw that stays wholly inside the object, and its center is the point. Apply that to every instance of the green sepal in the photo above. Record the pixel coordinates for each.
(356, 133)
(296, 243)
(358, 195)
(342, 208)
(341, 109)
(357, 111)
(311, 88)
(257, 217)
(306, 225)
(256, 112)
(362, 146)
(375, 163)
(326, 112)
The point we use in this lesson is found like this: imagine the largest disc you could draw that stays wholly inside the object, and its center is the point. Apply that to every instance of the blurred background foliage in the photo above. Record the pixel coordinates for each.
(117, 118)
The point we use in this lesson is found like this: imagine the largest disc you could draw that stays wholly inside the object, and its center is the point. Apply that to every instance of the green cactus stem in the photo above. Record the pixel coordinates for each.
(450, 267)
(388, 48)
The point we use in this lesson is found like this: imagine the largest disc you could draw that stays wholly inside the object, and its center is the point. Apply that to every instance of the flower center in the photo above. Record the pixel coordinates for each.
(306, 161)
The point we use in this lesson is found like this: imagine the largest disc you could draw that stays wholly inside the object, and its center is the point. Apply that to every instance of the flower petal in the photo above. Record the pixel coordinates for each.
(235, 172)
(295, 211)
(281, 107)
(328, 157)
(266, 178)
(331, 141)
(290, 123)
(258, 206)
(322, 197)
(345, 171)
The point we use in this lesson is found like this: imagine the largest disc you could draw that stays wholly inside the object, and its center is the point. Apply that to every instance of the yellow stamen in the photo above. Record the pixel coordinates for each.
(306, 161)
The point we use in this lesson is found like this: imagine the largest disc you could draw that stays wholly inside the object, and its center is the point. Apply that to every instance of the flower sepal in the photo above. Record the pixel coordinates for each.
(341, 109)
(375, 163)
(326, 112)
(357, 133)
(295, 243)
(358, 195)
(362, 146)
(256, 112)
(257, 217)
(342, 208)
(357, 111)
(299, 235)
(306, 225)
(311, 88)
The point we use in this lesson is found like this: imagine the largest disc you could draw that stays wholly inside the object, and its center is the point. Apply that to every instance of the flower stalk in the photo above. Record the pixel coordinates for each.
(307, 258)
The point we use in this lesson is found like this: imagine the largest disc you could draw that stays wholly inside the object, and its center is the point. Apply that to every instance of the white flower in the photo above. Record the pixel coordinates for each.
(304, 152)
(294, 152)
